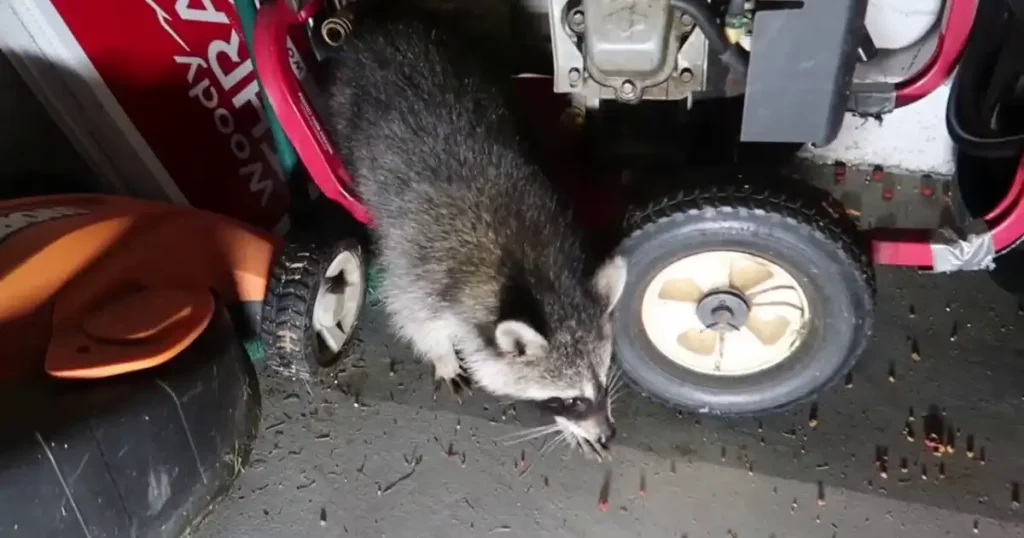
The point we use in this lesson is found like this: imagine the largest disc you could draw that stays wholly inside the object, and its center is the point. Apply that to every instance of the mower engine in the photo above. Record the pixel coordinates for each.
(793, 60)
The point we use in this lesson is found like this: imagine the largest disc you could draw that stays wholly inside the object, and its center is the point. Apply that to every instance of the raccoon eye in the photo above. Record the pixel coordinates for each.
(565, 405)
(577, 404)
(554, 404)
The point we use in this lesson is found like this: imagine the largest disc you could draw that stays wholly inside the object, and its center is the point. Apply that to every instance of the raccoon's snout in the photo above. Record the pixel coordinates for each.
(607, 434)
(593, 435)
(587, 420)
(600, 429)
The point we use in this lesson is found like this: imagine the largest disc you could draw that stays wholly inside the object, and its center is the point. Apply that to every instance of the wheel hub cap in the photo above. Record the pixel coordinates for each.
(339, 300)
(725, 313)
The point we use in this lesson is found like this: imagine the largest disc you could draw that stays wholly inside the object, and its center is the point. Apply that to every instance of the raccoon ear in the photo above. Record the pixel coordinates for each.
(516, 338)
(610, 279)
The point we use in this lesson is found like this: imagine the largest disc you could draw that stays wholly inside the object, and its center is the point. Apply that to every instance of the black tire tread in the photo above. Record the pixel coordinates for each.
(286, 329)
(817, 217)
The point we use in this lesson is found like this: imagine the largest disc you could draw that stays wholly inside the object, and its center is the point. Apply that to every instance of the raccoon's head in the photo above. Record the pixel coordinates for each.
(563, 366)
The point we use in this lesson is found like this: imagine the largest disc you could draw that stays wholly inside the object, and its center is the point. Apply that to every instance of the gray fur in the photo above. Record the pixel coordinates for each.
(481, 259)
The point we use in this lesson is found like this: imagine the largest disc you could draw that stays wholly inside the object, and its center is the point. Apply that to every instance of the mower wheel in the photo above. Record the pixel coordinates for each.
(741, 301)
(314, 299)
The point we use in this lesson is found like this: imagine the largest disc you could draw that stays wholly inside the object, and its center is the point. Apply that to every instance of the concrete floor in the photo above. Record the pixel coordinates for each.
(329, 453)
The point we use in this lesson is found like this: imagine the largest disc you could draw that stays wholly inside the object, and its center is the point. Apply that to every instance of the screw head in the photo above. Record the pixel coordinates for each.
(627, 89)
(839, 170)
(722, 314)
(686, 20)
(573, 117)
(576, 20)
(686, 75)
(575, 76)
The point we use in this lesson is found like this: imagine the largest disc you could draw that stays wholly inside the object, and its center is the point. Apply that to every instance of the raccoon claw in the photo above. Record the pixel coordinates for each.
(459, 384)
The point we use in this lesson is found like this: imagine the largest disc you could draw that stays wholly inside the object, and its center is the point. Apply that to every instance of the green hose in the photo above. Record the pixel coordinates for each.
(286, 155)
(374, 276)
(254, 348)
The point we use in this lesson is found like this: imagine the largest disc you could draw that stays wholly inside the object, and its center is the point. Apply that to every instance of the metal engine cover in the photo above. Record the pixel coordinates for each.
(627, 38)
(629, 44)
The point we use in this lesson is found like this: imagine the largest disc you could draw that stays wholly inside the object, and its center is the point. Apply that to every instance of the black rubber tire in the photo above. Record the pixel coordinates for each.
(818, 246)
(289, 339)
(95, 451)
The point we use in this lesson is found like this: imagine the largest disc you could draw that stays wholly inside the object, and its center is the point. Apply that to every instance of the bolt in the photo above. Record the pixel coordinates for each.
(627, 89)
(574, 76)
(722, 314)
(573, 117)
(877, 173)
(927, 189)
(839, 168)
(686, 20)
(576, 20)
(686, 75)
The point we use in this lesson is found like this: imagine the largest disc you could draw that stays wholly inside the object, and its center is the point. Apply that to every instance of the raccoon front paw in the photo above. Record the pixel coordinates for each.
(455, 377)
(458, 386)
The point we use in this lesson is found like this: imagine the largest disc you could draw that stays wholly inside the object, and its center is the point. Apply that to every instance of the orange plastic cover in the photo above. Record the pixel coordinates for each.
(135, 331)
(81, 260)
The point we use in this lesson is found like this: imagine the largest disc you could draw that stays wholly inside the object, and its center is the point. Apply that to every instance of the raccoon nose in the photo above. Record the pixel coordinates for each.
(607, 435)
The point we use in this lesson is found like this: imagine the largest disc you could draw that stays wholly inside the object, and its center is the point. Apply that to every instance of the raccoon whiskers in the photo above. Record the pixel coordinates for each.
(615, 384)
(560, 439)
(613, 397)
(584, 445)
(615, 392)
(596, 450)
(590, 448)
(530, 433)
(615, 379)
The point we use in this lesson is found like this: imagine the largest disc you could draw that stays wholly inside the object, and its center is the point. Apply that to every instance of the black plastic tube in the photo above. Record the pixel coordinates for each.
(734, 56)
(966, 118)
(736, 8)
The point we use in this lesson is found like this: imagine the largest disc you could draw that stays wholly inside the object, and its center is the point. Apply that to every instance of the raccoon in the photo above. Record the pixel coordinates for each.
(485, 273)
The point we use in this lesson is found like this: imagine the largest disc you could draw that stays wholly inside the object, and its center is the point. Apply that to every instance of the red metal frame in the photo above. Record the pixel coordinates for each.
(958, 20)
(282, 88)
(889, 247)
(1006, 221)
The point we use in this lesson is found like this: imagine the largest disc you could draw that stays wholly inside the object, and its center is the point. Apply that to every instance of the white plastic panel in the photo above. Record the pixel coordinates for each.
(911, 139)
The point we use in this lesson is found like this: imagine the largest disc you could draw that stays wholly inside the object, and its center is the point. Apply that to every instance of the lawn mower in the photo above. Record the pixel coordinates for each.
(745, 295)
(130, 401)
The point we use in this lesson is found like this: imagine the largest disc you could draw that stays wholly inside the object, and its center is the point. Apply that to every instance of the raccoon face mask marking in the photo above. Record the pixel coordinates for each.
(566, 374)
